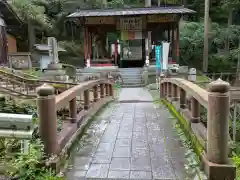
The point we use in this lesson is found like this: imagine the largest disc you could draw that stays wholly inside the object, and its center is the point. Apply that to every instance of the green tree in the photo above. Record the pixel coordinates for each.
(33, 15)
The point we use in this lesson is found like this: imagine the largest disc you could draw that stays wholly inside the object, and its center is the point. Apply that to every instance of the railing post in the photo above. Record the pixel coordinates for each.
(86, 99)
(195, 111)
(107, 89)
(169, 90)
(217, 126)
(188, 103)
(162, 88)
(174, 92)
(95, 93)
(110, 90)
(73, 110)
(165, 89)
(47, 118)
(218, 132)
(101, 90)
(182, 98)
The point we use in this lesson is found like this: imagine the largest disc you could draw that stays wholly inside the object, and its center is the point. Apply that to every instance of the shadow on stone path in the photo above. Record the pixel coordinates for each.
(129, 141)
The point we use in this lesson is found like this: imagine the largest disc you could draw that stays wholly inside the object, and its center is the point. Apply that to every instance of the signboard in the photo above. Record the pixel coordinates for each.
(131, 35)
(130, 23)
(162, 18)
(100, 20)
(158, 54)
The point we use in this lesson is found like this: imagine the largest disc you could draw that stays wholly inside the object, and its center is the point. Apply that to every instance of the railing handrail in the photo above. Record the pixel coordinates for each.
(35, 80)
(9, 70)
(200, 94)
(66, 96)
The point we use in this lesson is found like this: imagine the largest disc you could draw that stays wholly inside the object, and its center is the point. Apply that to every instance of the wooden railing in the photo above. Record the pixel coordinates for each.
(213, 136)
(23, 86)
(94, 94)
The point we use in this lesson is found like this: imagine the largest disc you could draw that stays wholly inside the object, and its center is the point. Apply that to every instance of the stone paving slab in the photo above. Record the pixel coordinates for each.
(134, 94)
(137, 143)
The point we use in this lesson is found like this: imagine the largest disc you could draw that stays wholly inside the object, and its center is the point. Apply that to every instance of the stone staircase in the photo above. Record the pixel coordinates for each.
(132, 77)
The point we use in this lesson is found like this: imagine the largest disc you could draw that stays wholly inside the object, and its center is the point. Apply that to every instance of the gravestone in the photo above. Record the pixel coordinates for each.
(54, 70)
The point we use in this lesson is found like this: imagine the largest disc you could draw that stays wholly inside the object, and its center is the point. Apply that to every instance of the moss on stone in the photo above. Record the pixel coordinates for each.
(196, 144)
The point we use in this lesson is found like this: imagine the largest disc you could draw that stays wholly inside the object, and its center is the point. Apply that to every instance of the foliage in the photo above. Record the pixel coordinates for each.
(34, 73)
(235, 155)
(191, 46)
(29, 11)
(190, 143)
(193, 161)
(24, 166)
(27, 166)
(8, 106)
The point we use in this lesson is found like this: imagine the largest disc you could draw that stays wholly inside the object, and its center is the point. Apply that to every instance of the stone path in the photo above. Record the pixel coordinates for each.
(135, 94)
(130, 141)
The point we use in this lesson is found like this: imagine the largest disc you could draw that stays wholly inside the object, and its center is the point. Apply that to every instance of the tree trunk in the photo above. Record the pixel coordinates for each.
(31, 35)
(185, 3)
(206, 34)
(230, 19)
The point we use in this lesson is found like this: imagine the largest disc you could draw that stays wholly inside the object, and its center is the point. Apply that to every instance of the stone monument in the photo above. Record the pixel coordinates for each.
(192, 76)
(54, 70)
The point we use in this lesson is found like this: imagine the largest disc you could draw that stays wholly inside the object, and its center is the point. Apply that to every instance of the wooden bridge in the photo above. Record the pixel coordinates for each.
(137, 140)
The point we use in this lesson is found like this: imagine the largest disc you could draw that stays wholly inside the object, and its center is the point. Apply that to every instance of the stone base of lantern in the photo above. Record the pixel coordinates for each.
(218, 171)
(54, 72)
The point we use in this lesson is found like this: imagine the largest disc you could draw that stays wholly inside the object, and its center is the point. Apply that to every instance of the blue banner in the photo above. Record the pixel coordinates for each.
(158, 55)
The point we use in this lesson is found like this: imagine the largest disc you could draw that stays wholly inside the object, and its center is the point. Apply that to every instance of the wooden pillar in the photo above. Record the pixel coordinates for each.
(73, 110)
(173, 42)
(110, 90)
(85, 43)
(90, 45)
(177, 43)
(169, 33)
(143, 47)
(102, 91)
(86, 99)
(47, 118)
(146, 46)
(95, 93)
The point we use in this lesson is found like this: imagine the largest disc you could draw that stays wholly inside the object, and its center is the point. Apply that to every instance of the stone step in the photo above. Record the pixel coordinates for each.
(132, 85)
(130, 71)
(132, 77)
(138, 82)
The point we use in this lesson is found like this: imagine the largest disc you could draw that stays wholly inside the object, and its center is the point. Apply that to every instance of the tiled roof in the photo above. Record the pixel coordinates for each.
(9, 15)
(131, 11)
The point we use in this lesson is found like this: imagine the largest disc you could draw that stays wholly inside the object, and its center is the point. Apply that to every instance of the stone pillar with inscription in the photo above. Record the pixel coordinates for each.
(54, 70)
